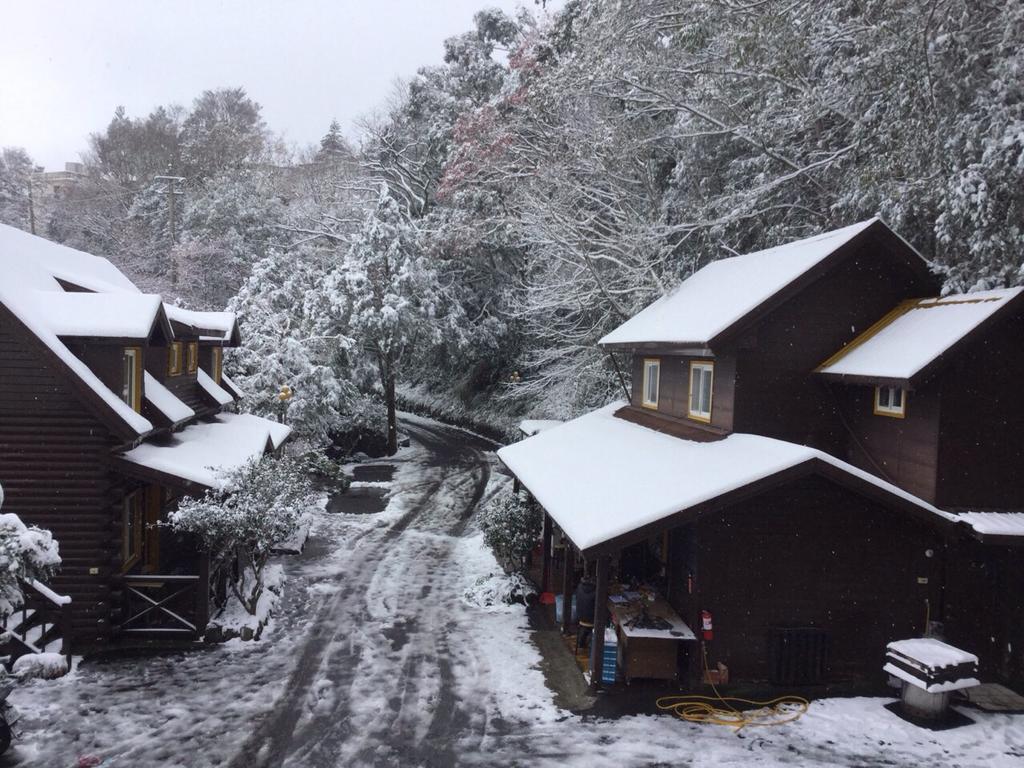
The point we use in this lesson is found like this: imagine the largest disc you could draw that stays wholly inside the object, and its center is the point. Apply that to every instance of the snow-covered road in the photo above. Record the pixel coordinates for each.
(375, 659)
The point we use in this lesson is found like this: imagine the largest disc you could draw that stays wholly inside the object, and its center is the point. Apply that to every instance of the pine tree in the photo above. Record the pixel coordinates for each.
(333, 146)
(389, 296)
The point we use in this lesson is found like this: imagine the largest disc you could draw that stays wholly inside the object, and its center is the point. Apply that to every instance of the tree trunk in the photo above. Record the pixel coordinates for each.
(389, 399)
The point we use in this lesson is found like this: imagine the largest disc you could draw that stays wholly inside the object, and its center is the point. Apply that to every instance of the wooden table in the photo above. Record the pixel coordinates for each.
(645, 652)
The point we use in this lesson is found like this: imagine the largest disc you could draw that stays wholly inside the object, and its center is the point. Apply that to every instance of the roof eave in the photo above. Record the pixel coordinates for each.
(873, 381)
(667, 347)
(811, 466)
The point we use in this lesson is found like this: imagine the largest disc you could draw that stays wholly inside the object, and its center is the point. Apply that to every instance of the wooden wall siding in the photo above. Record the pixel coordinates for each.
(674, 389)
(981, 453)
(904, 450)
(185, 387)
(808, 554)
(776, 392)
(105, 360)
(983, 611)
(54, 473)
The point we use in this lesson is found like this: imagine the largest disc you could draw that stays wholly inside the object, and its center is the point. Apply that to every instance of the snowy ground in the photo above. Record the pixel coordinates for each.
(375, 659)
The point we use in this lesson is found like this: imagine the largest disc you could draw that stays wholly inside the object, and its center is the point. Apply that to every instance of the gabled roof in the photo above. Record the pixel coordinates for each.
(217, 326)
(608, 482)
(725, 294)
(165, 402)
(121, 315)
(29, 266)
(906, 344)
(212, 389)
(56, 292)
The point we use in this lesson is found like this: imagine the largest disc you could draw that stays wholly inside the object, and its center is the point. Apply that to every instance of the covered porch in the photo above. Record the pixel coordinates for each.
(749, 559)
(165, 588)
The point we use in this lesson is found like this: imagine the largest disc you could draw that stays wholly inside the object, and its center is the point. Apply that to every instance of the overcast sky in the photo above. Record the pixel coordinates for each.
(65, 66)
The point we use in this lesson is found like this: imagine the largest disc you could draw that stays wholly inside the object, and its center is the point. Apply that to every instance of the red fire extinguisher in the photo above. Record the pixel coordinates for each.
(706, 625)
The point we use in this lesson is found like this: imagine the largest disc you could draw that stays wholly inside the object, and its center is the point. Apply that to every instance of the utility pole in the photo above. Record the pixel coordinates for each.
(31, 207)
(173, 188)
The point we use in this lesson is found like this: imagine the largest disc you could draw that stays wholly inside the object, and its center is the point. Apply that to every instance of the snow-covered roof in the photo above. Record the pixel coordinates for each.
(201, 452)
(161, 398)
(232, 388)
(223, 323)
(532, 426)
(915, 334)
(212, 388)
(928, 653)
(34, 262)
(576, 471)
(116, 315)
(994, 523)
(722, 293)
(30, 265)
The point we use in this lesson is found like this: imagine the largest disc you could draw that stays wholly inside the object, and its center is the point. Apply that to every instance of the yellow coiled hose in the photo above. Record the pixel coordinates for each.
(709, 709)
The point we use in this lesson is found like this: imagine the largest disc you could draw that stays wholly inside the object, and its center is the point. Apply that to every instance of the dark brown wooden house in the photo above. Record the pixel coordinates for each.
(813, 455)
(112, 406)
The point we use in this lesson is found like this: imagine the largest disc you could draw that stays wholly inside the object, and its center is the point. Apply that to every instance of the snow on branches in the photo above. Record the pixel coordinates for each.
(26, 553)
(258, 507)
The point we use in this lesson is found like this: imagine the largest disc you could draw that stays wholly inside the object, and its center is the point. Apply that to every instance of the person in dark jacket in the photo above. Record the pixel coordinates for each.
(586, 602)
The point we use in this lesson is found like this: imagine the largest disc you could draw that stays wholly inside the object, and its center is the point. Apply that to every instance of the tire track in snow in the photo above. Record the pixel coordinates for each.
(347, 645)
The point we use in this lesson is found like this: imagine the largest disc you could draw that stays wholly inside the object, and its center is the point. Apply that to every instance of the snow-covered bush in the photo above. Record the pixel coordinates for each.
(499, 589)
(26, 553)
(41, 666)
(319, 465)
(511, 528)
(256, 507)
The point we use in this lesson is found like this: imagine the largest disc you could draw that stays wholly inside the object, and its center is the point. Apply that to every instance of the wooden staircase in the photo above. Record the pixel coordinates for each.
(41, 625)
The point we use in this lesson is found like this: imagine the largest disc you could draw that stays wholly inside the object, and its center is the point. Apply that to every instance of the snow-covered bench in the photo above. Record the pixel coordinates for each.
(929, 670)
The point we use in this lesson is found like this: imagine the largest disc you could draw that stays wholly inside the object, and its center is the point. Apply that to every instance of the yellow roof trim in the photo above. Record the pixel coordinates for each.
(901, 309)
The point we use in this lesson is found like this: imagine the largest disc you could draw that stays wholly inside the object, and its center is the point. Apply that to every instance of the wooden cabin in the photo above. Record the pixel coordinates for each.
(113, 405)
(814, 461)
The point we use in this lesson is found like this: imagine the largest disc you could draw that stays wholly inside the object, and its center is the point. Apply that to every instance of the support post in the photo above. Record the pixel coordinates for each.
(567, 585)
(600, 620)
(545, 574)
(203, 594)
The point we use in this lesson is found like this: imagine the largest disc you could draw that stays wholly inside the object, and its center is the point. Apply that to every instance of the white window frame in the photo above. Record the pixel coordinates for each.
(887, 408)
(645, 399)
(708, 368)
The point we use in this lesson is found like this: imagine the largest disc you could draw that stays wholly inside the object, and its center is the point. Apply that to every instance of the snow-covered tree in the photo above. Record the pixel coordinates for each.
(223, 132)
(511, 528)
(256, 507)
(15, 177)
(26, 553)
(388, 298)
(291, 338)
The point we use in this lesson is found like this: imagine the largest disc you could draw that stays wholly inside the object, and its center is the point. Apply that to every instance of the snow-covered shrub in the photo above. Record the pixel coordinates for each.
(321, 466)
(256, 507)
(511, 528)
(26, 553)
(499, 589)
(42, 666)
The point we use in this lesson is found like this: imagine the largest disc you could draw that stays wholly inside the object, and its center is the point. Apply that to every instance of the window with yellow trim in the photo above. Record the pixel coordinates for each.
(174, 354)
(890, 401)
(701, 384)
(132, 529)
(131, 386)
(652, 380)
(218, 363)
(193, 356)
